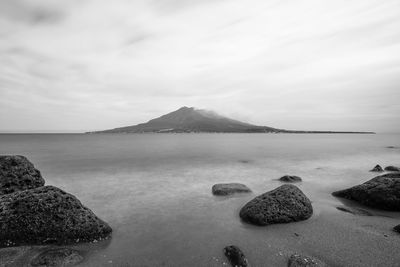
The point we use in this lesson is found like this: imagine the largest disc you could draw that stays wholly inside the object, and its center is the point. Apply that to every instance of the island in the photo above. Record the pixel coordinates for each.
(193, 120)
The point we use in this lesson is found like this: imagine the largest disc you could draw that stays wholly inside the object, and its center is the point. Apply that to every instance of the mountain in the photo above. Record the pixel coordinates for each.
(191, 119)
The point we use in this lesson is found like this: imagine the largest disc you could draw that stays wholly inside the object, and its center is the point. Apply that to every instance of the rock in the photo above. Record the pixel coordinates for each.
(18, 173)
(397, 228)
(290, 179)
(229, 189)
(57, 257)
(236, 256)
(284, 204)
(47, 214)
(382, 192)
(355, 211)
(392, 169)
(297, 260)
(377, 168)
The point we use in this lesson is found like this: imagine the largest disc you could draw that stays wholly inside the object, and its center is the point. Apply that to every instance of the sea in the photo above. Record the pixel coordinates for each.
(155, 192)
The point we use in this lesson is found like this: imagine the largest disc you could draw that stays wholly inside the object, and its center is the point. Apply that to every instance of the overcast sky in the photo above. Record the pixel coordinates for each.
(82, 65)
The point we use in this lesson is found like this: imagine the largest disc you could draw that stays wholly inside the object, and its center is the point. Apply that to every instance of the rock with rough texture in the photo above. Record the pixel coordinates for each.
(382, 192)
(17, 173)
(290, 179)
(60, 257)
(397, 228)
(355, 211)
(47, 215)
(284, 204)
(377, 168)
(297, 260)
(229, 189)
(392, 169)
(236, 256)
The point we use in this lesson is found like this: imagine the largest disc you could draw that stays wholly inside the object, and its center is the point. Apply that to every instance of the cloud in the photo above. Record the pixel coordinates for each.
(31, 12)
(288, 64)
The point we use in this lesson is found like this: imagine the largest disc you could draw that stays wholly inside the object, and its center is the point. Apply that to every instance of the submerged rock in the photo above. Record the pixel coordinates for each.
(297, 260)
(397, 228)
(229, 189)
(355, 211)
(59, 257)
(392, 169)
(18, 173)
(382, 192)
(236, 256)
(47, 215)
(284, 204)
(290, 179)
(377, 168)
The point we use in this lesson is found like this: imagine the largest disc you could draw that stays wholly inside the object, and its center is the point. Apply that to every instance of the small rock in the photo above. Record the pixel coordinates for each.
(229, 189)
(59, 257)
(382, 192)
(392, 169)
(397, 228)
(377, 168)
(297, 260)
(236, 256)
(355, 211)
(284, 204)
(290, 179)
(17, 173)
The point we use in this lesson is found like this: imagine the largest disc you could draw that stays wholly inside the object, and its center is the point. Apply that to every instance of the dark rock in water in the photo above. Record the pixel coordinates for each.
(297, 260)
(392, 147)
(397, 228)
(284, 204)
(229, 189)
(377, 168)
(236, 256)
(382, 192)
(392, 169)
(290, 179)
(44, 214)
(18, 173)
(57, 258)
(355, 211)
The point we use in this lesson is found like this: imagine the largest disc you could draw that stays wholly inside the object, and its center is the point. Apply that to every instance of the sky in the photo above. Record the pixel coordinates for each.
(83, 65)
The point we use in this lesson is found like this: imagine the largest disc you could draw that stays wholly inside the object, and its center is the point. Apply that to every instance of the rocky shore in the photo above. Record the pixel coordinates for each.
(288, 203)
(32, 213)
(284, 204)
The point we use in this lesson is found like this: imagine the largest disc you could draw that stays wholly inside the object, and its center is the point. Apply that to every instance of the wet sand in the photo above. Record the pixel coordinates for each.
(338, 238)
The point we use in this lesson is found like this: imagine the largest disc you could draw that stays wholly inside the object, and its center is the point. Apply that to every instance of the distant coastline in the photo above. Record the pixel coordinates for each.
(192, 120)
(249, 132)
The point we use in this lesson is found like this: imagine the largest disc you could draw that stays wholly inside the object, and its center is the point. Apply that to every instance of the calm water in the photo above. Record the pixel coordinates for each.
(155, 192)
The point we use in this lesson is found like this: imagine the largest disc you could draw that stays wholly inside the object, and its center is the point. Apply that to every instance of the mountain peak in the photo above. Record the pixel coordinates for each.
(190, 119)
(186, 108)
